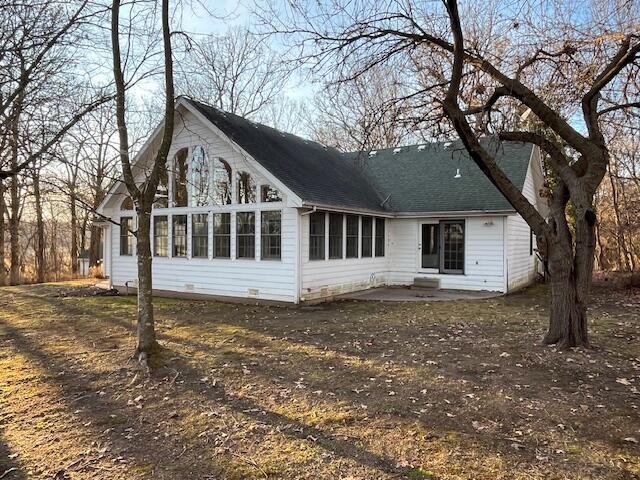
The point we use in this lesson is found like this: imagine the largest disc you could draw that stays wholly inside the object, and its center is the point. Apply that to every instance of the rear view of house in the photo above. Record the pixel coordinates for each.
(247, 211)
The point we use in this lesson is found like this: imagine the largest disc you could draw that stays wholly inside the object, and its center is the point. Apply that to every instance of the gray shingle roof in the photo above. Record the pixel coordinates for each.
(315, 173)
(421, 179)
(411, 180)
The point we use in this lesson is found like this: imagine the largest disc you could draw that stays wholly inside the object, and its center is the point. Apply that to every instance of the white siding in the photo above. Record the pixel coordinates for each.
(261, 279)
(521, 261)
(484, 254)
(326, 278)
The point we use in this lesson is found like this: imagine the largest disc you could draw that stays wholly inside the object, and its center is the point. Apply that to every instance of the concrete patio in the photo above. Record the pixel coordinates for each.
(407, 294)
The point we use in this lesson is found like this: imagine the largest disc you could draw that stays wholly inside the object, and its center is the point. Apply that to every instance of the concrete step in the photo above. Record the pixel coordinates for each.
(426, 283)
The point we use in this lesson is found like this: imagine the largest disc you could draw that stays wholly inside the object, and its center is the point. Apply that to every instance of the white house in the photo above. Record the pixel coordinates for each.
(247, 211)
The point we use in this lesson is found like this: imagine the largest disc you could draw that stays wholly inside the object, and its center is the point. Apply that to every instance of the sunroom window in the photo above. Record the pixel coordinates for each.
(180, 178)
(222, 235)
(380, 237)
(160, 236)
(269, 194)
(246, 188)
(221, 182)
(367, 236)
(200, 235)
(200, 177)
(161, 199)
(126, 236)
(179, 234)
(271, 235)
(335, 235)
(246, 235)
(352, 236)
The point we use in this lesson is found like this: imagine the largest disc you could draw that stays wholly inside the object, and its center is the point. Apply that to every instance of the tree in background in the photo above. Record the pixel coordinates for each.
(531, 72)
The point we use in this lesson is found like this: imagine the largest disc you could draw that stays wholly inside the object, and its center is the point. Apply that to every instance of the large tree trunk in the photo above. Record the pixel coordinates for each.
(3, 270)
(14, 227)
(40, 261)
(147, 343)
(74, 233)
(94, 245)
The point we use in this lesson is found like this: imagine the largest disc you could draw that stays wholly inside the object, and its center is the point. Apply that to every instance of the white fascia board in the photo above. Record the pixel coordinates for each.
(450, 214)
(354, 210)
(296, 200)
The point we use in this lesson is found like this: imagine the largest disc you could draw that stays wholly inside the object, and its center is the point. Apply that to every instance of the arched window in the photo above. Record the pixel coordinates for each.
(221, 182)
(127, 203)
(246, 188)
(161, 199)
(200, 177)
(180, 178)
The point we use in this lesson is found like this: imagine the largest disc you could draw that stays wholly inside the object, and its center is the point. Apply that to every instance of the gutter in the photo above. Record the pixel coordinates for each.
(441, 214)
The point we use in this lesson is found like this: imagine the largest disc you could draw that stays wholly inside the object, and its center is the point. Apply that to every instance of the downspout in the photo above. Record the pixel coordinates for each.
(299, 253)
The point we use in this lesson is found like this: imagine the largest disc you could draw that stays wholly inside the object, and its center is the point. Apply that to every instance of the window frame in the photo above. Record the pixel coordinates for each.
(184, 236)
(175, 181)
(267, 238)
(321, 238)
(336, 220)
(221, 168)
(443, 225)
(354, 238)
(216, 236)
(250, 236)
(128, 235)
(364, 253)
(380, 221)
(156, 237)
(204, 169)
(252, 188)
(264, 194)
(195, 236)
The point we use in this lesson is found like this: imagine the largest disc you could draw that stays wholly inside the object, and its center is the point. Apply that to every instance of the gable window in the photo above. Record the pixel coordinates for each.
(316, 236)
(200, 177)
(160, 236)
(179, 235)
(180, 170)
(271, 239)
(221, 235)
(127, 203)
(221, 182)
(245, 235)
(246, 188)
(335, 235)
(353, 229)
(269, 194)
(452, 240)
(126, 236)
(200, 235)
(380, 223)
(367, 236)
(161, 198)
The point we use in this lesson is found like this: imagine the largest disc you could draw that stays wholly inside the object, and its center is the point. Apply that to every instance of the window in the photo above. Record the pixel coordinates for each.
(430, 245)
(379, 237)
(222, 235)
(335, 235)
(271, 235)
(269, 194)
(367, 236)
(246, 188)
(352, 236)
(179, 235)
(200, 177)
(180, 169)
(245, 235)
(161, 199)
(126, 236)
(221, 182)
(200, 235)
(160, 236)
(452, 238)
(316, 236)
(127, 203)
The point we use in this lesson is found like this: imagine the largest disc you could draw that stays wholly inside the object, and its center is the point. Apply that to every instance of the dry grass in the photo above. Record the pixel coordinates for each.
(448, 390)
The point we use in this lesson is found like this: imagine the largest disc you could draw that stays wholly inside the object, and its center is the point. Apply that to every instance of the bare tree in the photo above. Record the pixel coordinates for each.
(236, 72)
(521, 74)
(143, 194)
(365, 113)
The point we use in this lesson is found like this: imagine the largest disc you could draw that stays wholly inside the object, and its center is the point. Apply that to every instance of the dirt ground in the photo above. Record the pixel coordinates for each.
(350, 390)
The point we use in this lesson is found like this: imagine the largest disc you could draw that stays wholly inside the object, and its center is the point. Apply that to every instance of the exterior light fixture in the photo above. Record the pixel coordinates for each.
(457, 175)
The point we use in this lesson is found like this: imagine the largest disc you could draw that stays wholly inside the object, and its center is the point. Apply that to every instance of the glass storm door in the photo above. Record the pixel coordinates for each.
(430, 245)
